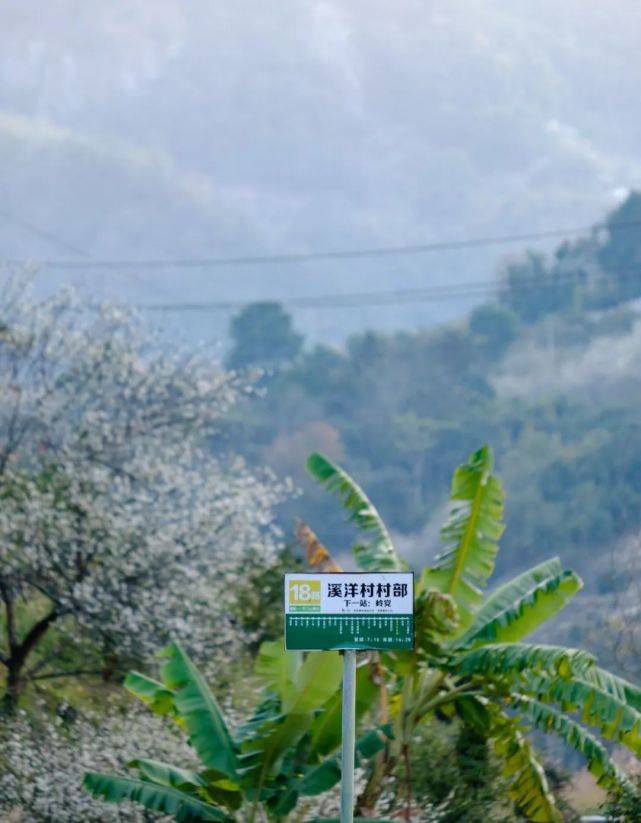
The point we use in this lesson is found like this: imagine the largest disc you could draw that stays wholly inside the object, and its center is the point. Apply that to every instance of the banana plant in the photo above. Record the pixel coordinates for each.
(471, 657)
(282, 753)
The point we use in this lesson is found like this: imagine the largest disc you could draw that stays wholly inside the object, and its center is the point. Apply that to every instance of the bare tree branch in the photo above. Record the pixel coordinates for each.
(70, 673)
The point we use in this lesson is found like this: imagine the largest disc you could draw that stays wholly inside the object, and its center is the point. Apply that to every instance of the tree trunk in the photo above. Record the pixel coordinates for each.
(15, 663)
(9, 703)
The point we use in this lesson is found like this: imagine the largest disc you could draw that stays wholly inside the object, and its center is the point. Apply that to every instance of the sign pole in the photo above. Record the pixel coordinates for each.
(346, 611)
(348, 736)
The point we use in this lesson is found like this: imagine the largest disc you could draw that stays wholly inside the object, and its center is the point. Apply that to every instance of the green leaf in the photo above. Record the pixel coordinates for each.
(267, 710)
(517, 658)
(163, 799)
(470, 535)
(211, 785)
(157, 696)
(373, 741)
(326, 728)
(595, 706)
(377, 554)
(199, 710)
(599, 762)
(278, 668)
(623, 690)
(320, 779)
(262, 753)
(167, 775)
(521, 606)
(316, 681)
(224, 793)
(473, 713)
(528, 786)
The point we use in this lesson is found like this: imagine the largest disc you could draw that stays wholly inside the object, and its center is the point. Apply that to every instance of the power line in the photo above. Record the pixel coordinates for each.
(481, 288)
(55, 239)
(44, 234)
(348, 254)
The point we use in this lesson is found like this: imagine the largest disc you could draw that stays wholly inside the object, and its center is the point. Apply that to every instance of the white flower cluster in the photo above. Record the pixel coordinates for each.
(114, 504)
(42, 766)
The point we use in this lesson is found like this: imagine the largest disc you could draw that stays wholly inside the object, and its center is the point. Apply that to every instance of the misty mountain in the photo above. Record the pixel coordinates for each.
(172, 130)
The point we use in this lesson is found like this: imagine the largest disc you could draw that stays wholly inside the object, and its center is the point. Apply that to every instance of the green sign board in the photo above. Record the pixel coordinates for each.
(349, 611)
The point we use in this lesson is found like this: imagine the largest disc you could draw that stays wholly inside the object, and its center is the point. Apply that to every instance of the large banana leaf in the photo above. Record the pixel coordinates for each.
(164, 799)
(277, 668)
(528, 786)
(377, 554)
(156, 695)
(303, 690)
(262, 753)
(599, 762)
(267, 711)
(519, 607)
(199, 710)
(211, 785)
(326, 728)
(519, 658)
(320, 779)
(623, 690)
(316, 681)
(314, 782)
(596, 707)
(167, 775)
(470, 535)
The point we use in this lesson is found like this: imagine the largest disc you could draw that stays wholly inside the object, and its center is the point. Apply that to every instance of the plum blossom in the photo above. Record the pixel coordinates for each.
(122, 515)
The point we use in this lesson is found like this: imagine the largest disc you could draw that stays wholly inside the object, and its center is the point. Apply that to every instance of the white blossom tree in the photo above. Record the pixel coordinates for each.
(119, 524)
(42, 764)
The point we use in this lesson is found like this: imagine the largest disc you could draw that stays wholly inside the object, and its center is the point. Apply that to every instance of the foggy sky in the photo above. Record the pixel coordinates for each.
(183, 128)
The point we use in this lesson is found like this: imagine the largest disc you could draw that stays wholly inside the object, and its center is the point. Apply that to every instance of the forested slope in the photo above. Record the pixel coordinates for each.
(547, 372)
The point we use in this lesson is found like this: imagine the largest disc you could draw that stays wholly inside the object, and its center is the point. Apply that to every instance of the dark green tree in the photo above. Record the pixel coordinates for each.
(534, 288)
(620, 255)
(493, 328)
(263, 335)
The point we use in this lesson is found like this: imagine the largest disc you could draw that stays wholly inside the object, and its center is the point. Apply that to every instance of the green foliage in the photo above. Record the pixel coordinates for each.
(378, 553)
(528, 786)
(620, 254)
(470, 535)
(493, 328)
(263, 336)
(326, 727)
(280, 754)
(535, 289)
(521, 605)
(599, 762)
(426, 398)
(499, 685)
(516, 658)
(624, 803)
(153, 796)
(455, 772)
(198, 709)
(259, 595)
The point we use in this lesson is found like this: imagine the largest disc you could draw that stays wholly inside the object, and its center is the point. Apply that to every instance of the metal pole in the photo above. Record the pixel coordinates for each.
(349, 736)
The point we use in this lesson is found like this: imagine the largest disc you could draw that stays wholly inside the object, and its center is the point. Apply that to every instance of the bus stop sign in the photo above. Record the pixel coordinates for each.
(349, 611)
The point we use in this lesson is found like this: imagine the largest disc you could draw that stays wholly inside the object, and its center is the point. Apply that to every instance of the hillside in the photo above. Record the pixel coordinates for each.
(547, 373)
